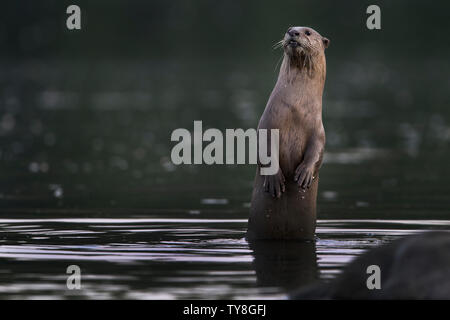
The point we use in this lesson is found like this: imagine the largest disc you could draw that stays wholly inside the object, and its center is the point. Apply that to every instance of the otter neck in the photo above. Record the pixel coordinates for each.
(303, 71)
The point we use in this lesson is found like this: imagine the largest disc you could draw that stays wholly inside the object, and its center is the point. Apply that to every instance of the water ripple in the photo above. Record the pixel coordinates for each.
(149, 258)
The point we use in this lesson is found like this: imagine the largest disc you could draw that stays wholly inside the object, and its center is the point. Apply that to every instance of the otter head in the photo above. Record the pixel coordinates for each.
(304, 40)
(304, 44)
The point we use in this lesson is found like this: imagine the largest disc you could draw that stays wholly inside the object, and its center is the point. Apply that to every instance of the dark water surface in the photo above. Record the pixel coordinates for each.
(86, 176)
(161, 258)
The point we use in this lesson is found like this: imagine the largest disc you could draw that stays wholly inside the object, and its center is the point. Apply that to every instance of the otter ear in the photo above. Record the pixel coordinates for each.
(326, 42)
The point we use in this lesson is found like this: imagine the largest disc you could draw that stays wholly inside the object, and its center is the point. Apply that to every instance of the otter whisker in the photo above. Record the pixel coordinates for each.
(305, 57)
(278, 44)
(278, 63)
(289, 71)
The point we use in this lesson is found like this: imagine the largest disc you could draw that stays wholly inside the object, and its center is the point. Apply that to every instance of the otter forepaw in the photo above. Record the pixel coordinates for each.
(274, 184)
(304, 175)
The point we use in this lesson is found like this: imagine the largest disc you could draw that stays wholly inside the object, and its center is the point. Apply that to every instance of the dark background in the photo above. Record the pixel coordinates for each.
(198, 29)
(86, 116)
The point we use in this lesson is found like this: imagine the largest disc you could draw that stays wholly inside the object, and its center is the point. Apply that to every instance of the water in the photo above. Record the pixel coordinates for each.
(87, 180)
(157, 258)
(85, 125)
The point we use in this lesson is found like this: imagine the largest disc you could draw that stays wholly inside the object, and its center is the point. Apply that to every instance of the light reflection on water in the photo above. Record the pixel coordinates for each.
(157, 258)
(94, 143)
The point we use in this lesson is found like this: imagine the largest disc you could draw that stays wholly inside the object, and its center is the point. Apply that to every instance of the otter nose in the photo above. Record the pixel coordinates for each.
(293, 33)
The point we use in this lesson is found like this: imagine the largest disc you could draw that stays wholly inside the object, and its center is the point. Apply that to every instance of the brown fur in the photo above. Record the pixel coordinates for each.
(283, 206)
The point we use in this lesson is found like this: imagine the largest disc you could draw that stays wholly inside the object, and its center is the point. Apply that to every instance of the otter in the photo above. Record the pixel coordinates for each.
(283, 205)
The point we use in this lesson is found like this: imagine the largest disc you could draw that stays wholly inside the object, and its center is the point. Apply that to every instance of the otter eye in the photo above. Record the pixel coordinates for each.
(307, 32)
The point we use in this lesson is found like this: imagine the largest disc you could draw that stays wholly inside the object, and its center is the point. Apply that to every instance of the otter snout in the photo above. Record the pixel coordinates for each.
(293, 32)
(292, 37)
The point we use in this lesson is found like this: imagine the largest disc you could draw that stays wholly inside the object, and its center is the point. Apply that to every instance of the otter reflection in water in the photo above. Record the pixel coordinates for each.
(285, 264)
(414, 267)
